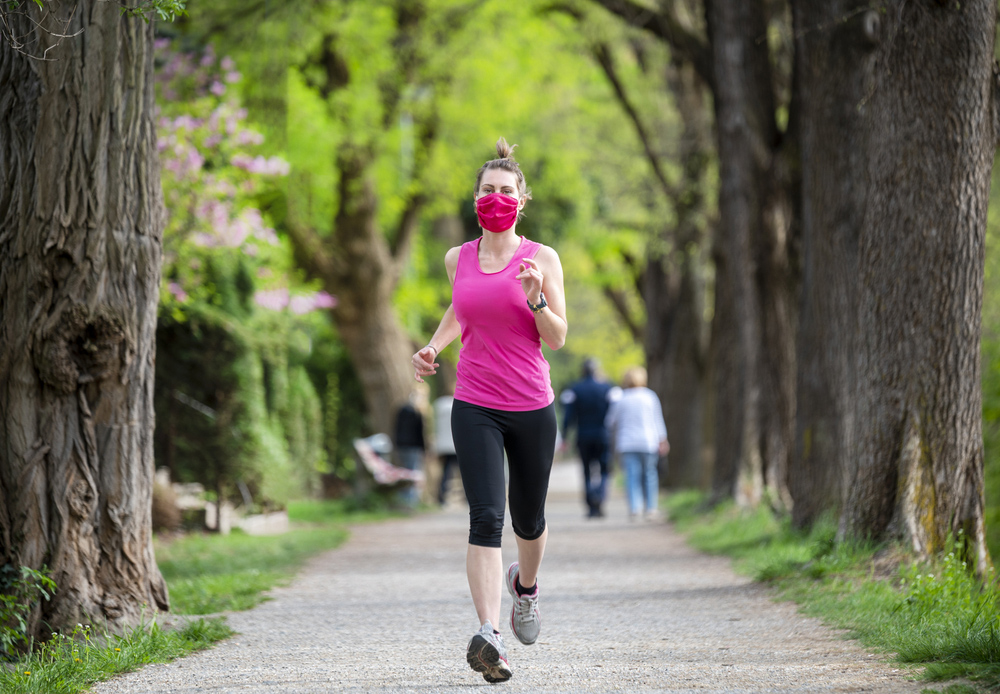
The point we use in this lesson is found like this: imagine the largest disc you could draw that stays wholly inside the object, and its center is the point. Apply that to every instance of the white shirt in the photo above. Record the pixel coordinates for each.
(444, 444)
(635, 422)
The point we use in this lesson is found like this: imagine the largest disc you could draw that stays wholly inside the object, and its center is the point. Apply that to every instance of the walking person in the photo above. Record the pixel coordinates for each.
(507, 298)
(585, 406)
(444, 444)
(640, 438)
(409, 441)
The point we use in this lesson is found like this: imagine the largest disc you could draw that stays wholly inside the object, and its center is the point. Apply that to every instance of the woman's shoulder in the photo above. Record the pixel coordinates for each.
(544, 252)
(452, 255)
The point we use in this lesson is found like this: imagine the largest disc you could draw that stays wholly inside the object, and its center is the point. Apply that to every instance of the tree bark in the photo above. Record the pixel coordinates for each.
(833, 46)
(356, 264)
(358, 261)
(80, 242)
(679, 365)
(742, 109)
(931, 141)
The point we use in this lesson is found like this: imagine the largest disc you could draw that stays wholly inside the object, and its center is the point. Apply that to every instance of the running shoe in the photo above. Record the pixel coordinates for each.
(487, 654)
(525, 621)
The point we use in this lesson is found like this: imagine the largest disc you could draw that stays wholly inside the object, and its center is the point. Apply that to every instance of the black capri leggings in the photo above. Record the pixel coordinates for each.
(481, 435)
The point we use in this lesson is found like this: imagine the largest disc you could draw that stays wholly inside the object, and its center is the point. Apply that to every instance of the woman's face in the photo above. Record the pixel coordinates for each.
(498, 181)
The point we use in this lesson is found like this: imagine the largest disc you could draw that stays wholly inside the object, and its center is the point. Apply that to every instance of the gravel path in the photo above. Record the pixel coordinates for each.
(625, 608)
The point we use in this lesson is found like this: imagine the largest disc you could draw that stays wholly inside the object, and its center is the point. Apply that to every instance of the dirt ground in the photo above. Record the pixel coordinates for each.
(626, 607)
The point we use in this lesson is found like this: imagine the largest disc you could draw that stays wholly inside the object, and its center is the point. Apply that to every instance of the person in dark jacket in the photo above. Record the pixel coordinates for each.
(585, 406)
(409, 442)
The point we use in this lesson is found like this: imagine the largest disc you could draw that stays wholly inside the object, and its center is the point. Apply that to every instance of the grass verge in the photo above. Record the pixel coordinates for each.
(68, 664)
(933, 616)
(209, 573)
(205, 574)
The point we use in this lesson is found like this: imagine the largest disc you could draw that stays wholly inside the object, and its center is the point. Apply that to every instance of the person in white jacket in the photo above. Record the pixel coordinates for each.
(639, 436)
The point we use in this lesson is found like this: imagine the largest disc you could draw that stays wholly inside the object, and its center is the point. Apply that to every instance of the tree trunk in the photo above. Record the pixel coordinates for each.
(677, 369)
(743, 107)
(356, 264)
(931, 140)
(832, 47)
(80, 233)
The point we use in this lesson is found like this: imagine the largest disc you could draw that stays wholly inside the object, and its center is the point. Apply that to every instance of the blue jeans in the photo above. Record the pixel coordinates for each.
(642, 480)
(411, 458)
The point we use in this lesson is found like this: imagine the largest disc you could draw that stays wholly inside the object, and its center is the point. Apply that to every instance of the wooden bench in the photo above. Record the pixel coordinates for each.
(379, 470)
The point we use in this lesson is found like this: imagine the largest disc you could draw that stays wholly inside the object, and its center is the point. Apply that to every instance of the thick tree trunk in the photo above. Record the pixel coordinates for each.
(676, 343)
(931, 142)
(80, 228)
(356, 264)
(743, 107)
(833, 44)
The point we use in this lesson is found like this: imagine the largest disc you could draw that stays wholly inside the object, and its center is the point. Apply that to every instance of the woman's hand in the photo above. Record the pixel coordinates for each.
(423, 363)
(531, 280)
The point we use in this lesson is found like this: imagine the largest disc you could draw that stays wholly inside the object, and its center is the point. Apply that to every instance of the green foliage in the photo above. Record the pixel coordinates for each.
(356, 86)
(213, 573)
(208, 573)
(938, 615)
(166, 10)
(20, 589)
(234, 322)
(991, 370)
(68, 664)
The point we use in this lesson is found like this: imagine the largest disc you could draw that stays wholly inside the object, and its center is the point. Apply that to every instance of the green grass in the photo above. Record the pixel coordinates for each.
(70, 664)
(935, 618)
(208, 573)
(205, 574)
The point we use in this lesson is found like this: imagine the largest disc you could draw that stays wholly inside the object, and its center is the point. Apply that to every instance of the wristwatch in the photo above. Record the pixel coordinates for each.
(537, 308)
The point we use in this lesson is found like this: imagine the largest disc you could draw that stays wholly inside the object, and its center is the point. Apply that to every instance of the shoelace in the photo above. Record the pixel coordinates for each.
(524, 605)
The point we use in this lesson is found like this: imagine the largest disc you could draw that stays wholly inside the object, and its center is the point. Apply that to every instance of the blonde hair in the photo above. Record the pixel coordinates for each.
(635, 377)
(505, 160)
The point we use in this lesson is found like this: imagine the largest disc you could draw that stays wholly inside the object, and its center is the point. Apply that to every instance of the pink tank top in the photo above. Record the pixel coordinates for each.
(500, 365)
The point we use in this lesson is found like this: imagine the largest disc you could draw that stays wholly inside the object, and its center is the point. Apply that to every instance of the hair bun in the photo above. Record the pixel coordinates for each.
(505, 151)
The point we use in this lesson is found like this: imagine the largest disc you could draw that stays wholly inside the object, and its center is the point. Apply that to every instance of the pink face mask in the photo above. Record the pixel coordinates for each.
(497, 212)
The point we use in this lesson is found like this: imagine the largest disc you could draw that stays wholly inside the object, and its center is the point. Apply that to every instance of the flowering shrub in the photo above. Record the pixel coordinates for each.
(213, 173)
(232, 314)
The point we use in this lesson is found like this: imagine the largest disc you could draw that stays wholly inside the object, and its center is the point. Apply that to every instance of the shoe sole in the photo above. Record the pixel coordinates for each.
(511, 578)
(483, 657)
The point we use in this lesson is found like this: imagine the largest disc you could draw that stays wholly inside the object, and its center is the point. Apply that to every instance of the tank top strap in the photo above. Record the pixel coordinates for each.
(530, 248)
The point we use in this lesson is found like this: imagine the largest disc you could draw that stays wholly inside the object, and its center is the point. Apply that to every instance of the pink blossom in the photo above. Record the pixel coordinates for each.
(194, 161)
(186, 121)
(324, 300)
(311, 302)
(273, 299)
(217, 88)
(269, 235)
(227, 63)
(160, 44)
(213, 141)
(177, 291)
(233, 76)
(275, 166)
(249, 137)
(301, 305)
(233, 234)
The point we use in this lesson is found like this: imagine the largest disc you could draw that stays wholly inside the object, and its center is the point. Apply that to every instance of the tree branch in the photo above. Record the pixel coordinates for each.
(310, 251)
(666, 26)
(620, 302)
(603, 56)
